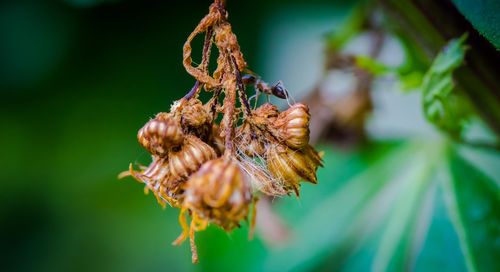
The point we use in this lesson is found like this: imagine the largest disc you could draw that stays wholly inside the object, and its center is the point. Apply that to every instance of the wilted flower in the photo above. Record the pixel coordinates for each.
(292, 126)
(188, 159)
(292, 166)
(219, 193)
(212, 170)
(160, 134)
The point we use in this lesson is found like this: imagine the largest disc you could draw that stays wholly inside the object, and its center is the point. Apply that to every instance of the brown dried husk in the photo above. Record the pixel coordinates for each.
(188, 159)
(292, 126)
(219, 193)
(292, 166)
(160, 134)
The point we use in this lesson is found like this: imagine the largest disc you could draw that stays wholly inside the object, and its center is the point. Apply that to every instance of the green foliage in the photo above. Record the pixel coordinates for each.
(408, 80)
(372, 65)
(484, 16)
(415, 205)
(335, 40)
(443, 106)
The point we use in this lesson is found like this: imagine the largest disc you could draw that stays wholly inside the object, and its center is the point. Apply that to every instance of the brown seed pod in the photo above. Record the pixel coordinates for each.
(195, 118)
(292, 166)
(313, 157)
(250, 140)
(160, 134)
(154, 174)
(188, 159)
(292, 126)
(156, 178)
(218, 192)
(267, 111)
(194, 114)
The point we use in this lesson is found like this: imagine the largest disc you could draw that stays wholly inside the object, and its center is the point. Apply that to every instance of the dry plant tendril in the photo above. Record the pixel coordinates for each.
(214, 172)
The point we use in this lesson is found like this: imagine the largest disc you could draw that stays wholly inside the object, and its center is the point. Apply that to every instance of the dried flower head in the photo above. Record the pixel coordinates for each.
(213, 170)
(160, 134)
(219, 193)
(188, 159)
(292, 126)
(292, 166)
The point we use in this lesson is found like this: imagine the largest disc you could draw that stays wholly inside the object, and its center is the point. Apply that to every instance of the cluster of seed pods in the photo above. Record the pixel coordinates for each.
(213, 171)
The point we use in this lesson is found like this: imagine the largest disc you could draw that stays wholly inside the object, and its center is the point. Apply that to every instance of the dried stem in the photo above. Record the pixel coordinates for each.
(229, 111)
(241, 88)
(207, 45)
(193, 91)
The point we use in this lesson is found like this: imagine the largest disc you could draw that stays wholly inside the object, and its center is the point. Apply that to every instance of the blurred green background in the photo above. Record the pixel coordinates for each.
(78, 78)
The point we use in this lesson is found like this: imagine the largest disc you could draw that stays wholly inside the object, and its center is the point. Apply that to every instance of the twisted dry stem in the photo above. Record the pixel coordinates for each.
(241, 88)
(211, 19)
(229, 110)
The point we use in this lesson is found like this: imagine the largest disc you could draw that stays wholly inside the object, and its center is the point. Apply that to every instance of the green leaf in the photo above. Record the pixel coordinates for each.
(443, 106)
(408, 79)
(473, 205)
(484, 16)
(371, 65)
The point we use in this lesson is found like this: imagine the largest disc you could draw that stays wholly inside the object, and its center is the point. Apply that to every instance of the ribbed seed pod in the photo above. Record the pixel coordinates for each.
(218, 192)
(156, 178)
(249, 140)
(292, 126)
(292, 166)
(154, 174)
(312, 156)
(159, 135)
(192, 154)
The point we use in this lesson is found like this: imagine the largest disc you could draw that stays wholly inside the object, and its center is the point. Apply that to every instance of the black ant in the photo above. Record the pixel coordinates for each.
(277, 89)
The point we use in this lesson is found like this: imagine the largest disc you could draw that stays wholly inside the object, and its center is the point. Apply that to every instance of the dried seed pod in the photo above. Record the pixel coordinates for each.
(218, 192)
(156, 178)
(292, 166)
(292, 126)
(267, 111)
(154, 174)
(188, 159)
(194, 114)
(250, 140)
(160, 134)
(312, 156)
